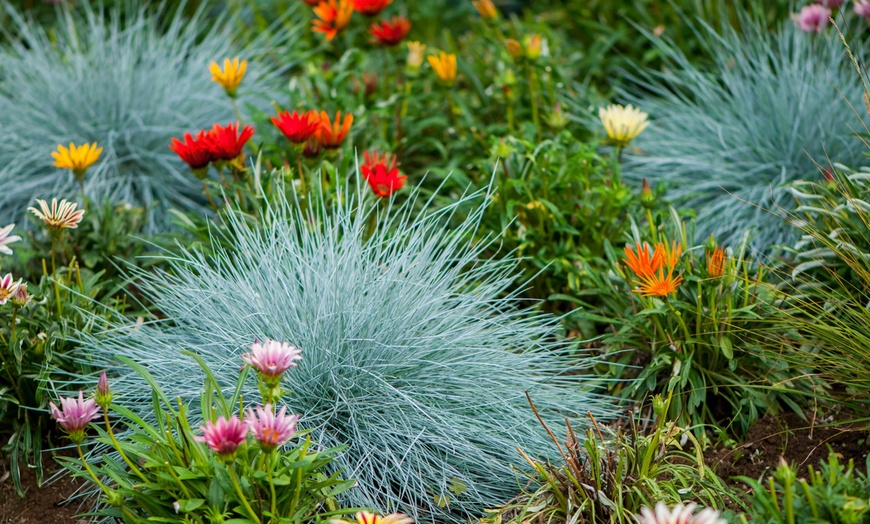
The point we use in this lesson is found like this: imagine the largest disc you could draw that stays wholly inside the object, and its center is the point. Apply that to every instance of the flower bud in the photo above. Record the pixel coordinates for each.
(514, 48)
(647, 197)
(104, 393)
(658, 406)
(533, 45)
(557, 119)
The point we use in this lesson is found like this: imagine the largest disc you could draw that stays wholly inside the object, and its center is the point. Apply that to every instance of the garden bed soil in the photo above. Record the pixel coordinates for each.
(45, 505)
(799, 442)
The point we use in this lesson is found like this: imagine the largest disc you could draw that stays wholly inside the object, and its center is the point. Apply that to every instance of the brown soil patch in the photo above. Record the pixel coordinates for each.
(796, 440)
(43, 505)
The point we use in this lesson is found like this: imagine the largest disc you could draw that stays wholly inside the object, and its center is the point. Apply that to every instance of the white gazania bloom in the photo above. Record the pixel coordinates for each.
(679, 514)
(623, 124)
(6, 238)
(8, 287)
(59, 216)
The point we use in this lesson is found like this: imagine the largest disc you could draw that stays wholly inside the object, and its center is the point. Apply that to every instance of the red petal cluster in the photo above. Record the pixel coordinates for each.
(297, 128)
(194, 151)
(390, 32)
(226, 143)
(370, 7)
(382, 174)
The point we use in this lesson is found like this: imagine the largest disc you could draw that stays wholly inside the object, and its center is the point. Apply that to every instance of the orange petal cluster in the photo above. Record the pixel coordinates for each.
(333, 17)
(654, 270)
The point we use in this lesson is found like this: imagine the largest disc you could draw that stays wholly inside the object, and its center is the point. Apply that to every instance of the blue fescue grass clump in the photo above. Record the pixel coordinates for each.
(417, 353)
(128, 78)
(730, 135)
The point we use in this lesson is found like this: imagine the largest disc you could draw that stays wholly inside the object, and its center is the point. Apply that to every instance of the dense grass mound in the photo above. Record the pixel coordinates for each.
(129, 79)
(730, 136)
(416, 353)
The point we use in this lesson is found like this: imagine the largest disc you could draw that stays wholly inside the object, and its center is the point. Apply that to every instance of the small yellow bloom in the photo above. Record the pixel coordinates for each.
(445, 67)
(486, 8)
(533, 44)
(416, 51)
(77, 159)
(623, 124)
(231, 76)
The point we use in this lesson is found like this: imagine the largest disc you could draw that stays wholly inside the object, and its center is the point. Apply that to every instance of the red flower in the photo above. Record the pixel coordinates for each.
(225, 142)
(382, 174)
(332, 135)
(194, 151)
(297, 128)
(390, 32)
(370, 7)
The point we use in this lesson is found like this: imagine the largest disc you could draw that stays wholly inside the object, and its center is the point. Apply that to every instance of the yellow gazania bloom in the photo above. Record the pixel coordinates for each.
(444, 66)
(77, 159)
(230, 76)
(623, 124)
(58, 216)
(365, 517)
(716, 262)
(486, 8)
(416, 51)
(533, 44)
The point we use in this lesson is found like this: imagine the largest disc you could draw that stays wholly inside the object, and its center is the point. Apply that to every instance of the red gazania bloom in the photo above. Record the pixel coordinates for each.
(370, 7)
(332, 134)
(382, 174)
(297, 128)
(225, 142)
(194, 152)
(390, 32)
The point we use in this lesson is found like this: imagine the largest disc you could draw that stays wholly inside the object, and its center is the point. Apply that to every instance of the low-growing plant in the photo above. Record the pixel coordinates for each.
(241, 468)
(688, 317)
(728, 137)
(835, 494)
(611, 475)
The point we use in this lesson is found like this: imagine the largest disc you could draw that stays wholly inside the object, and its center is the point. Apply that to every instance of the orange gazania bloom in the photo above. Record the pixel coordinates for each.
(297, 128)
(390, 32)
(332, 134)
(382, 174)
(649, 268)
(445, 67)
(370, 7)
(226, 143)
(716, 262)
(486, 8)
(659, 285)
(334, 16)
(645, 262)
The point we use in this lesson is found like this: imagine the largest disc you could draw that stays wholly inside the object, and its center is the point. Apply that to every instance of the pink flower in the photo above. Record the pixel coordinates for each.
(6, 238)
(831, 3)
(223, 436)
(272, 358)
(862, 8)
(269, 429)
(104, 394)
(8, 288)
(813, 18)
(74, 415)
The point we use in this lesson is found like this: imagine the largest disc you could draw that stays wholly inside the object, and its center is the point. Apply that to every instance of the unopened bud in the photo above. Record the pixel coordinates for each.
(104, 393)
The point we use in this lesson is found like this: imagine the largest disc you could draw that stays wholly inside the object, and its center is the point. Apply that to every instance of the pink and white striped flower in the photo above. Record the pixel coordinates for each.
(7, 238)
(59, 216)
(74, 415)
(862, 8)
(269, 429)
(679, 514)
(272, 358)
(8, 288)
(224, 435)
(366, 517)
(813, 18)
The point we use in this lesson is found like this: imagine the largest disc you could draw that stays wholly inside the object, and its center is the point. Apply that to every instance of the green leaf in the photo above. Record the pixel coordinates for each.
(726, 347)
(188, 505)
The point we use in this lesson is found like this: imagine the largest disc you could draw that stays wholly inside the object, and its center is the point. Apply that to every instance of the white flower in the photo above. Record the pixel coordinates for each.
(679, 514)
(6, 238)
(623, 124)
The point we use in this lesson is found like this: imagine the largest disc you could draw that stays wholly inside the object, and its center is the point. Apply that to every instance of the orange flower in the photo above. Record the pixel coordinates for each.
(334, 16)
(716, 262)
(332, 134)
(670, 255)
(486, 8)
(644, 263)
(649, 268)
(659, 285)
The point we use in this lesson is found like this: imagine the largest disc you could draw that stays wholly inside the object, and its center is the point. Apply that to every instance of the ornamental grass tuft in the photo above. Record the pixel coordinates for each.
(128, 78)
(417, 353)
(730, 135)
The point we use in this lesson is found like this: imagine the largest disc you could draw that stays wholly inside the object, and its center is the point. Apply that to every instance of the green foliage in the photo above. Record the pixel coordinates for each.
(699, 343)
(836, 494)
(160, 473)
(608, 476)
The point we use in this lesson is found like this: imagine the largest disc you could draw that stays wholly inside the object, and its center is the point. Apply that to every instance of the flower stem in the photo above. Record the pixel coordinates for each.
(117, 446)
(241, 494)
(91, 472)
(271, 458)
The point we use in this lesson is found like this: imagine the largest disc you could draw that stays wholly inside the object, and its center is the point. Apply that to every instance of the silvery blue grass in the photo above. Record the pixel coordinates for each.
(128, 79)
(729, 136)
(417, 352)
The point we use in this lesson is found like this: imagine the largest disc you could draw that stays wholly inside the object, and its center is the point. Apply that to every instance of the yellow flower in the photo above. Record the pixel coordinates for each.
(534, 45)
(365, 517)
(58, 216)
(231, 76)
(77, 159)
(416, 51)
(485, 8)
(444, 66)
(623, 124)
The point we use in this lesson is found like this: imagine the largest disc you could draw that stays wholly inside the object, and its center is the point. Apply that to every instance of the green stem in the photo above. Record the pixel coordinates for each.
(91, 472)
(54, 238)
(533, 92)
(117, 446)
(241, 494)
(271, 458)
